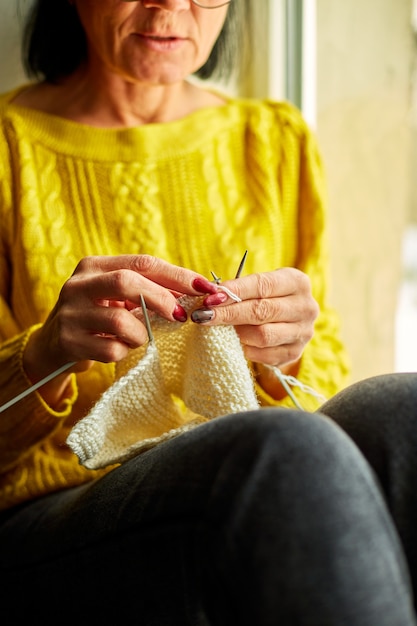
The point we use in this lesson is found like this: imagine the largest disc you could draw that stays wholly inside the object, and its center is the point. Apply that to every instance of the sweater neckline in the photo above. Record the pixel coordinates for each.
(164, 138)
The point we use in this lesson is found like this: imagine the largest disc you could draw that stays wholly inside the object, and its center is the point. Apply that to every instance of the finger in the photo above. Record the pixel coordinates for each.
(278, 357)
(273, 335)
(102, 322)
(278, 283)
(101, 348)
(259, 312)
(118, 289)
(275, 355)
(166, 274)
(121, 324)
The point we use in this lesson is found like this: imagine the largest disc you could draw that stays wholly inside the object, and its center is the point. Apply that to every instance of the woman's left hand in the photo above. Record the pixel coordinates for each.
(275, 318)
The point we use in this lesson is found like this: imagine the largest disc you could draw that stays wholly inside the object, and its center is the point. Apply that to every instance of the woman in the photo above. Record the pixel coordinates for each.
(123, 178)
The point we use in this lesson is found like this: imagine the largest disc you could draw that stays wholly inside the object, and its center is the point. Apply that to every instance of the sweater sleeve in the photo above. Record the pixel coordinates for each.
(324, 365)
(31, 420)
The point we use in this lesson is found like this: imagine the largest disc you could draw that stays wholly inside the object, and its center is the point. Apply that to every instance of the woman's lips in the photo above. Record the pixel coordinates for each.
(161, 43)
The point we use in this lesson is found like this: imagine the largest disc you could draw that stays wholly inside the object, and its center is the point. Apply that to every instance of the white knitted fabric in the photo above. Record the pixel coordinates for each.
(189, 374)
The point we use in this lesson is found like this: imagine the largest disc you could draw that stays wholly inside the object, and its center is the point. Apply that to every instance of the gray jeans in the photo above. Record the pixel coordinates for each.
(269, 518)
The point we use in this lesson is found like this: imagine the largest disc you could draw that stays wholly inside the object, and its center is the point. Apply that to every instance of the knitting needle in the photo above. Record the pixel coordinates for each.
(146, 318)
(217, 279)
(45, 380)
(241, 265)
(286, 386)
(62, 369)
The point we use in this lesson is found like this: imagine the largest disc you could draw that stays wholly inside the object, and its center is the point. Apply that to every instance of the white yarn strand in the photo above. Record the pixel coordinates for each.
(231, 295)
(290, 381)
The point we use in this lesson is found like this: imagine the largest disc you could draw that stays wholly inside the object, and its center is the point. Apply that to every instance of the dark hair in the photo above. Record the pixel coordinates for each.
(54, 43)
(231, 48)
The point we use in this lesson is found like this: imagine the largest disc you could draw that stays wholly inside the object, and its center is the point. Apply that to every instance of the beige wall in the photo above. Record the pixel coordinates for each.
(365, 53)
(412, 213)
(413, 173)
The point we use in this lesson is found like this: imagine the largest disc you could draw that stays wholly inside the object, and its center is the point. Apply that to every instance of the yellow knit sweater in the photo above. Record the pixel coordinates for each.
(197, 192)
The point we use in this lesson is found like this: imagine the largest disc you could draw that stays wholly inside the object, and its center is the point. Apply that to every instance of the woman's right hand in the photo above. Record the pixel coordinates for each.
(91, 320)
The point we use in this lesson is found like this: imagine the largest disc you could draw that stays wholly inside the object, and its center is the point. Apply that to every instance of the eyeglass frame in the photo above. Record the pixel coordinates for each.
(197, 4)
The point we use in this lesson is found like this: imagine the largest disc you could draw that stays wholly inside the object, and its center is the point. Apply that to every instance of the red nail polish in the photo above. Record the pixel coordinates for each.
(215, 298)
(204, 286)
(179, 314)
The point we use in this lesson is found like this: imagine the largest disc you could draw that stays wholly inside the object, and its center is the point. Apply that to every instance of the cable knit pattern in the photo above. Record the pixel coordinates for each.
(197, 192)
(210, 376)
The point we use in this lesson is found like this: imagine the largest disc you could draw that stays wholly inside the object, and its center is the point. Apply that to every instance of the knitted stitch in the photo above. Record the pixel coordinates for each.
(203, 366)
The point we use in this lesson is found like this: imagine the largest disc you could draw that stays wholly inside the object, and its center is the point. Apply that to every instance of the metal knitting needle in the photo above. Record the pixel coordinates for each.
(241, 265)
(65, 367)
(217, 279)
(146, 318)
(25, 393)
(286, 386)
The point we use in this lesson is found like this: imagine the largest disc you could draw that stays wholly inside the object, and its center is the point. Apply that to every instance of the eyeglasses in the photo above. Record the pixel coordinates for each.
(210, 4)
(204, 4)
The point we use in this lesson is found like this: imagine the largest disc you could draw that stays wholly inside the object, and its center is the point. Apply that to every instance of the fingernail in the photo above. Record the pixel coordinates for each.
(215, 298)
(179, 314)
(204, 286)
(200, 316)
